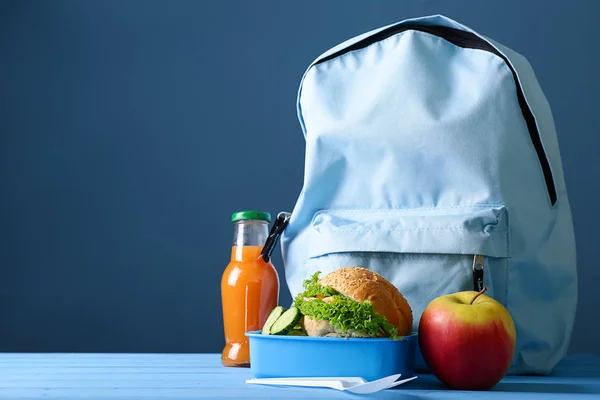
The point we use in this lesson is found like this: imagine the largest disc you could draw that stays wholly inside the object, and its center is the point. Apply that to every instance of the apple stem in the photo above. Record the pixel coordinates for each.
(479, 294)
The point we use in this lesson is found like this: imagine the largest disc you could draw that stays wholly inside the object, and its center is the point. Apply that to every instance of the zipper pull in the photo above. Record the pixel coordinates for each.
(478, 273)
(283, 218)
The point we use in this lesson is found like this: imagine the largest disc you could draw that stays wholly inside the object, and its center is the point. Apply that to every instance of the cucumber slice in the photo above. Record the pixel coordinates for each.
(286, 322)
(296, 332)
(275, 313)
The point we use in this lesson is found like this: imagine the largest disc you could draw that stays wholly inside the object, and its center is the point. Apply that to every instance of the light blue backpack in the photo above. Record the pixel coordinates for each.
(428, 144)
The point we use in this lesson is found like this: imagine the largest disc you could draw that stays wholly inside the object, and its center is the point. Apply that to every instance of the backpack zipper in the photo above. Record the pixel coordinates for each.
(478, 272)
(467, 40)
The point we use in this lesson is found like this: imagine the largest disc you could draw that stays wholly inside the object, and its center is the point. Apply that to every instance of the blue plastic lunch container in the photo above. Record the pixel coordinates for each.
(279, 356)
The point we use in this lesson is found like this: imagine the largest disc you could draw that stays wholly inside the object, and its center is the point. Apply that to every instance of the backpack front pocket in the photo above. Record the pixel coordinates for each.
(425, 253)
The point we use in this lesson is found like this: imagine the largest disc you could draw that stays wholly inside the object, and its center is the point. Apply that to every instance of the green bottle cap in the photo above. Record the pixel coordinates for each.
(247, 215)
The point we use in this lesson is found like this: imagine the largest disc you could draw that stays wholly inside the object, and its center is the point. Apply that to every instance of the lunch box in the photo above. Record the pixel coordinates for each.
(282, 356)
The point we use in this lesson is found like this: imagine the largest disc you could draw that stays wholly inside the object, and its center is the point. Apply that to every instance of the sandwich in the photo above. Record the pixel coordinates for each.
(352, 302)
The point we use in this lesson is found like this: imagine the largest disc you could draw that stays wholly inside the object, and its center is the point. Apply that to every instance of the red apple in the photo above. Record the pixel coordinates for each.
(467, 339)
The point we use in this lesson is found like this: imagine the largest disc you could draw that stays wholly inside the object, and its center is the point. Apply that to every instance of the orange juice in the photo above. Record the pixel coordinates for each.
(249, 286)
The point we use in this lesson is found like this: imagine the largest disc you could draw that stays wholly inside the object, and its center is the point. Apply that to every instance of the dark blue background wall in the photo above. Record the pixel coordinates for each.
(131, 130)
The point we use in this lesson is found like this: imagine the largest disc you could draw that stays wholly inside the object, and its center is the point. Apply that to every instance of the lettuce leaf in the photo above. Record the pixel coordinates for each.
(313, 289)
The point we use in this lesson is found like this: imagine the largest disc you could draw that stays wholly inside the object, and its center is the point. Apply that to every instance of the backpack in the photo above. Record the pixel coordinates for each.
(428, 146)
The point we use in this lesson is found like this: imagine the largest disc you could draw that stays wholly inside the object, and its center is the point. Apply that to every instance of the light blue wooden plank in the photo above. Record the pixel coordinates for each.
(180, 383)
(183, 383)
(279, 393)
(119, 370)
(178, 393)
(197, 360)
(104, 376)
(190, 363)
(13, 378)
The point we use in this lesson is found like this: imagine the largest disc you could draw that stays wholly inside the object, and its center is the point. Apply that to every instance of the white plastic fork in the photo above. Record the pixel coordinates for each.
(351, 384)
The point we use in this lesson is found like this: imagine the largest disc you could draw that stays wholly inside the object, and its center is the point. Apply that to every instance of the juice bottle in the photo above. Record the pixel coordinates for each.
(249, 286)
